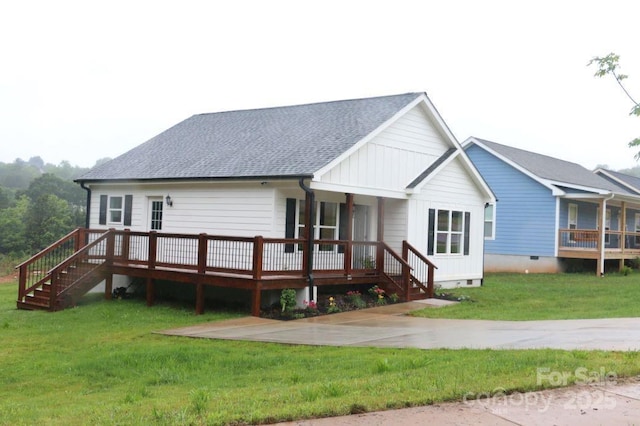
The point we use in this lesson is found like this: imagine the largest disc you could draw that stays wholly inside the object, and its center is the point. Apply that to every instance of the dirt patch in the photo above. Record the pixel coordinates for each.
(9, 279)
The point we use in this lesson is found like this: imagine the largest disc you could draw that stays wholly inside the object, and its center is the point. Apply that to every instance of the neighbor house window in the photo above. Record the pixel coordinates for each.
(489, 221)
(116, 207)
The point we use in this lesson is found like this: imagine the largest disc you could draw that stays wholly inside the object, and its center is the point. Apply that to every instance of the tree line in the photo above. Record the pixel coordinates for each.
(39, 204)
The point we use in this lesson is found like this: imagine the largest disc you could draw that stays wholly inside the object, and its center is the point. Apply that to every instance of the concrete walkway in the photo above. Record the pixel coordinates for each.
(607, 402)
(388, 326)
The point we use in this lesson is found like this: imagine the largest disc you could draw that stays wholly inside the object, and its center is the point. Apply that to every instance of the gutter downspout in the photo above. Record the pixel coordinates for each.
(86, 220)
(310, 235)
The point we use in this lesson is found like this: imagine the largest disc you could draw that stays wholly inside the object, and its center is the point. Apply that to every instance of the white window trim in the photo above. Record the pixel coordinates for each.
(110, 210)
(493, 221)
(317, 227)
(449, 233)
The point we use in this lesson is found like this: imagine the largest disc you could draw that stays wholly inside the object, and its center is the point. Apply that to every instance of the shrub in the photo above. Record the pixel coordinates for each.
(288, 299)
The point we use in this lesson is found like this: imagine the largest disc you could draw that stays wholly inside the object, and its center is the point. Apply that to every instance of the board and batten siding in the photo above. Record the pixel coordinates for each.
(231, 209)
(393, 158)
(525, 211)
(451, 189)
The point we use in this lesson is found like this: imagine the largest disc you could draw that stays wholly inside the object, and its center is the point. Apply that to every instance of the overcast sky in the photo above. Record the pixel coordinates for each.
(85, 80)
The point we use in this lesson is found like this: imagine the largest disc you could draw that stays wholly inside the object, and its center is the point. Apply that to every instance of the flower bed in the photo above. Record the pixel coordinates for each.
(329, 304)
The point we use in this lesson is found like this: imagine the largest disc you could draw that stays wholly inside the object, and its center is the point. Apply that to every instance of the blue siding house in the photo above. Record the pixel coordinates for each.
(549, 210)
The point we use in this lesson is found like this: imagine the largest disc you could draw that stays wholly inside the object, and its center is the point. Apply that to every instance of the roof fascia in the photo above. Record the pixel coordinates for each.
(544, 182)
(191, 179)
(581, 187)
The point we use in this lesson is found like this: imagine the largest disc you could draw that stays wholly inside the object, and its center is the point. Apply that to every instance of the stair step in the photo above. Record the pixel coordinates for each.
(37, 302)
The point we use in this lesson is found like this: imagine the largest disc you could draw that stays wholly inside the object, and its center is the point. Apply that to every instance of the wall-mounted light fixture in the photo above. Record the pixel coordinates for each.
(169, 200)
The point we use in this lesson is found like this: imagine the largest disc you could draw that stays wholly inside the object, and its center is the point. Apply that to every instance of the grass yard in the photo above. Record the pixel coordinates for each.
(100, 364)
(545, 296)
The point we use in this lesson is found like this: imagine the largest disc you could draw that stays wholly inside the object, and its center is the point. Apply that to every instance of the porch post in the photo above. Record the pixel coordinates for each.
(601, 236)
(623, 236)
(348, 250)
(380, 236)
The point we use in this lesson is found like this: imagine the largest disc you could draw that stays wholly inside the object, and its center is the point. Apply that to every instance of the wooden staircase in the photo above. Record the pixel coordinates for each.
(55, 288)
(409, 275)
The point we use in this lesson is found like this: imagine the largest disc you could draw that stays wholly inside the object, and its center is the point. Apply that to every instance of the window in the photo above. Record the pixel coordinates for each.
(489, 222)
(156, 215)
(449, 232)
(326, 226)
(637, 228)
(115, 210)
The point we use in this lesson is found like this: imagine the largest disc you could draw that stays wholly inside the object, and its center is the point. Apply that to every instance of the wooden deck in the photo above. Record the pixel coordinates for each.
(55, 278)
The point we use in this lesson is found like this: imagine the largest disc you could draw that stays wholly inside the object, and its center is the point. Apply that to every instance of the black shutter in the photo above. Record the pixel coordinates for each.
(290, 223)
(431, 231)
(342, 231)
(467, 227)
(102, 220)
(128, 201)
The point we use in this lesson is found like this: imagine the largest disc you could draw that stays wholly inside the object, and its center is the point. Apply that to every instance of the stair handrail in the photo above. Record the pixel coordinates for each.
(431, 267)
(22, 267)
(53, 273)
(406, 270)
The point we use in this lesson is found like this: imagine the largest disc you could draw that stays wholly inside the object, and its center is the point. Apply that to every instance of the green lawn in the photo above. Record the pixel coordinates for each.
(545, 296)
(99, 364)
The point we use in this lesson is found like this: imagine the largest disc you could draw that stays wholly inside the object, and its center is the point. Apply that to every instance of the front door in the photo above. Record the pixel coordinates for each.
(155, 215)
(362, 254)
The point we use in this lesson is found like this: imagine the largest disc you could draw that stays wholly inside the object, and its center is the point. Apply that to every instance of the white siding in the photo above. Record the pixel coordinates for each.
(451, 189)
(235, 209)
(393, 158)
(395, 223)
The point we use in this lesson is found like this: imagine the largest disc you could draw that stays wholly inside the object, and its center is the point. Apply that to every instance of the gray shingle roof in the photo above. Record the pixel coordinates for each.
(273, 142)
(553, 169)
(632, 181)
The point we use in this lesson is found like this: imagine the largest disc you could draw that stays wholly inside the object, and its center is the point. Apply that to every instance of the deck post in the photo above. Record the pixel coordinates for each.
(150, 291)
(406, 273)
(349, 230)
(153, 246)
(258, 246)
(108, 287)
(199, 298)
(202, 253)
(22, 282)
(110, 247)
(79, 240)
(255, 299)
(126, 242)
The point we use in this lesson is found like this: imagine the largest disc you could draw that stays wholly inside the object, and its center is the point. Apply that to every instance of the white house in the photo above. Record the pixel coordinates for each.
(382, 170)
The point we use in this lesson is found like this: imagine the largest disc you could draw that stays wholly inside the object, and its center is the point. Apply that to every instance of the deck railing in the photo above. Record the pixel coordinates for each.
(253, 257)
(589, 240)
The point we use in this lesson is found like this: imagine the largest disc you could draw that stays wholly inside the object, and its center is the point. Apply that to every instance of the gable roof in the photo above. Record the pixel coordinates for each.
(628, 182)
(281, 142)
(549, 171)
